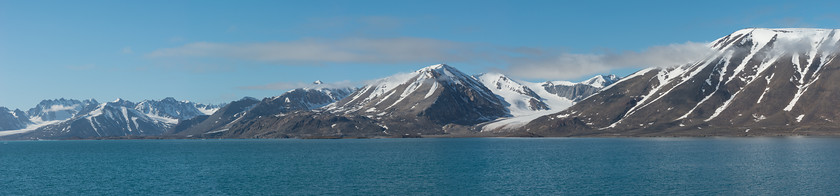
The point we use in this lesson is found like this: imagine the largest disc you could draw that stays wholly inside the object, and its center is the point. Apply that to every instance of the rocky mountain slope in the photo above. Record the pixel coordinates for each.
(425, 101)
(433, 100)
(756, 82)
(233, 120)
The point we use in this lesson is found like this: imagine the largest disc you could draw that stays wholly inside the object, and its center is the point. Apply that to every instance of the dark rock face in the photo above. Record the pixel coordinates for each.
(220, 119)
(304, 124)
(463, 106)
(183, 125)
(755, 83)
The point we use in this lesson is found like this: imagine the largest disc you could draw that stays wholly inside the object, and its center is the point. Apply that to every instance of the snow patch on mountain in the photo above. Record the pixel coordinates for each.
(396, 88)
(556, 95)
(520, 99)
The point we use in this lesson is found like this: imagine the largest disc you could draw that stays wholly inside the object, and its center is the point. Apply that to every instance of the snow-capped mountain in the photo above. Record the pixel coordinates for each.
(433, 100)
(13, 119)
(57, 109)
(174, 109)
(85, 119)
(578, 91)
(755, 82)
(525, 98)
(438, 93)
(46, 112)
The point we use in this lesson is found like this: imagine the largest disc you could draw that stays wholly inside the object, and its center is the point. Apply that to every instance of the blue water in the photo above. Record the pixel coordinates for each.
(474, 166)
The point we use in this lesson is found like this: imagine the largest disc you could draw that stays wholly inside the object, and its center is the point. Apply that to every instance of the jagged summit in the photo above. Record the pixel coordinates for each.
(170, 99)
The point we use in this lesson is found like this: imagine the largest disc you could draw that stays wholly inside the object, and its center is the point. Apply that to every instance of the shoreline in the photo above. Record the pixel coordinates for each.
(440, 136)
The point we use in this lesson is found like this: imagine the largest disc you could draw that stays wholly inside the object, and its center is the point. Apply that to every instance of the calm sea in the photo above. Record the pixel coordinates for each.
(462, 166)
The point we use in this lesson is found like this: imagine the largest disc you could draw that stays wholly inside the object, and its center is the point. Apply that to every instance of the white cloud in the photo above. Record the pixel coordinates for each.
(318, 51)
(526, 63)
(56, 108)
(570, 65)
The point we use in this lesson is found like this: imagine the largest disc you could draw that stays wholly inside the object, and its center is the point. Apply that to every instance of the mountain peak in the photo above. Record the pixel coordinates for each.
(442, 72)
(317, 82)
(249, 99)
(601, 81)
(169, 99)
(436, 68)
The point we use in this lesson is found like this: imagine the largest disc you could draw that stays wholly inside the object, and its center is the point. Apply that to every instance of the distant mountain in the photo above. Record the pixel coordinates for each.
(756, 82)
(219, 121)
(174, 109)
(116, 118)
(518, 98)
(527, 101)
(578, 91)
(11, 120)
(524, 98)
(57, 109)
(234, 119)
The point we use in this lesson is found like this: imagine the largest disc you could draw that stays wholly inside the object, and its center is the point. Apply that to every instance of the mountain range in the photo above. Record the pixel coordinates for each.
(434, 100)
(754, 82)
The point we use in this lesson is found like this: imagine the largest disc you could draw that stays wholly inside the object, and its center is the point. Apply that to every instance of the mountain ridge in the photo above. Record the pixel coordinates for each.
(752, 84)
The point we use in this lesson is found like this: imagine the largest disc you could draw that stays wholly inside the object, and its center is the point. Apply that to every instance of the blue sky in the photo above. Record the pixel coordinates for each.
(219, 51)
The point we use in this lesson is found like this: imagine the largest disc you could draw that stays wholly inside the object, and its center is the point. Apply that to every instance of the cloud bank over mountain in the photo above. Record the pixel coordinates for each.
(528, 63)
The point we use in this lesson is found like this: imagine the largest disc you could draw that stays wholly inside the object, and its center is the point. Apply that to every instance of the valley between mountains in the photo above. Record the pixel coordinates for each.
(755, 82)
